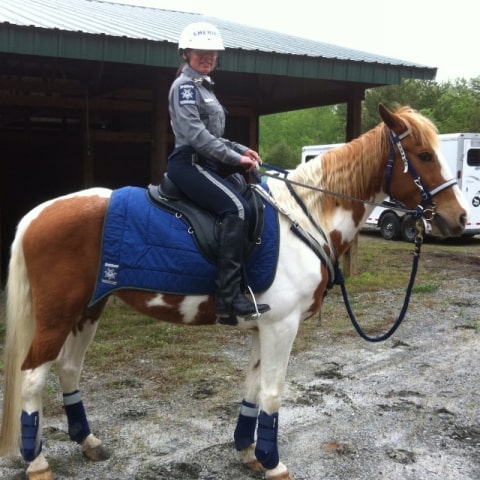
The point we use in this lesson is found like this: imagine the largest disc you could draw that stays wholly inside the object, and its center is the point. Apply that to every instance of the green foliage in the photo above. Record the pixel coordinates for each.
(426, 288)
(420, 95)
(282, 155)
(452, 106)
(283, 135)
(458, 110)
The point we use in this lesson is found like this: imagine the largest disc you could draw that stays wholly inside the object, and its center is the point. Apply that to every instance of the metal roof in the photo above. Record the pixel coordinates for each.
(99, 30)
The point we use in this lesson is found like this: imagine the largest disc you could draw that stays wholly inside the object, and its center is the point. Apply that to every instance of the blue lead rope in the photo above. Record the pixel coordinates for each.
(340, 280)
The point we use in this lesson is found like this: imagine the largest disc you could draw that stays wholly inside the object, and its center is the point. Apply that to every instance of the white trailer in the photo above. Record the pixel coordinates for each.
(462, 152)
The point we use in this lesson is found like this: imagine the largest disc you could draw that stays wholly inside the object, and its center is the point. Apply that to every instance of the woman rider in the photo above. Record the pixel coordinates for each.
(198, 123)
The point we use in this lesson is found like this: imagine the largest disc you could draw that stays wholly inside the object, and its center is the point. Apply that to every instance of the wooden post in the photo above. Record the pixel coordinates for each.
(87, 144)
(160, 127)
(354, 120)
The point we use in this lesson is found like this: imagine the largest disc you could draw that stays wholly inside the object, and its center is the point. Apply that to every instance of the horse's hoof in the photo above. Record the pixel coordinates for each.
(254, 466)
(250, 460)
(282, 476)
(96, 454)
(40, 475)
(280, 472)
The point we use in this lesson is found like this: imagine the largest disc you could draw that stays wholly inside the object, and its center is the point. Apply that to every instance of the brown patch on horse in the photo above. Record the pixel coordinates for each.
(90, 314)
(336, 237)
(60, 248)
(320, 292)
(170, 309)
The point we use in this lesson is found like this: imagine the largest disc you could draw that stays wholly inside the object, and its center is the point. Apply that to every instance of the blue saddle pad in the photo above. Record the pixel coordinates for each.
(147, 248)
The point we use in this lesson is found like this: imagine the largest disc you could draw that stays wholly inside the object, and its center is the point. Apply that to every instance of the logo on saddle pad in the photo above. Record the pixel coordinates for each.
(110, 273)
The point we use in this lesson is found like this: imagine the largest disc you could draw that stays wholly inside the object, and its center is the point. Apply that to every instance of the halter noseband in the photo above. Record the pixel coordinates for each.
(427, 205)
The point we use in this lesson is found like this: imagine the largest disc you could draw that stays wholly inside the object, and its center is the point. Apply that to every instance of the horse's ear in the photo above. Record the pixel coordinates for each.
(391, 120)
(385, 114)
(382, 110)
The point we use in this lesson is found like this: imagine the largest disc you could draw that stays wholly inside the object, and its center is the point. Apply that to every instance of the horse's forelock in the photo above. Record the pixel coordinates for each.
(422, 130)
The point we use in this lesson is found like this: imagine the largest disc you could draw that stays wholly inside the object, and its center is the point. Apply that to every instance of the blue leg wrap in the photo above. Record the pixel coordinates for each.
(30, 424)
(266, 450)
(244, 434)
(78, 427)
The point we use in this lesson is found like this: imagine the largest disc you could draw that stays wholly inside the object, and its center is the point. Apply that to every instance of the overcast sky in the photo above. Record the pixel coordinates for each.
(438, 34)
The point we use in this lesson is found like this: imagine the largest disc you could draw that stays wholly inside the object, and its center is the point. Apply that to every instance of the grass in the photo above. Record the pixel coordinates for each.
(168, 353)
(385, 268)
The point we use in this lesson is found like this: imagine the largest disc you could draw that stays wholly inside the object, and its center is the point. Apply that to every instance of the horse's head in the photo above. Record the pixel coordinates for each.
(418, 175)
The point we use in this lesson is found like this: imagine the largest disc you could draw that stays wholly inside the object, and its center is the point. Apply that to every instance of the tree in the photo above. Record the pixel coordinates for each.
(300, 127)
(452, 106)
(281, 155)
(458, 110)
(415, 93)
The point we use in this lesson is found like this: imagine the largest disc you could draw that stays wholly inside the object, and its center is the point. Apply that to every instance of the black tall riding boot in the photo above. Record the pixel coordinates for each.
(231, 302)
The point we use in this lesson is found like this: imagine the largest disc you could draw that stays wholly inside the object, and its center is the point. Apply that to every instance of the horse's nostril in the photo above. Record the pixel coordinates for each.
(463, 219)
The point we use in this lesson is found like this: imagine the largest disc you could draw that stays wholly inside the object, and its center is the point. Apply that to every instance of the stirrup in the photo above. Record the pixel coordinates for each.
(232, 319)
(264, 308)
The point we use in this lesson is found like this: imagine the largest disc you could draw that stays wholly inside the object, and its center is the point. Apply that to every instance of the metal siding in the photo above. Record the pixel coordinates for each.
(104, 31)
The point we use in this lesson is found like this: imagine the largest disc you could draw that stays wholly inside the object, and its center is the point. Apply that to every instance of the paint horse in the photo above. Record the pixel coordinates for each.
(55, 259)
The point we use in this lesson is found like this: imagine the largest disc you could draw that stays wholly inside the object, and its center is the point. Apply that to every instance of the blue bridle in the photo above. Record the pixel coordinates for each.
(426, 208)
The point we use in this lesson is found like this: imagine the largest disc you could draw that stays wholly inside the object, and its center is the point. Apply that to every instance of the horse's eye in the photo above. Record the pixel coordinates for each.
(425, 156)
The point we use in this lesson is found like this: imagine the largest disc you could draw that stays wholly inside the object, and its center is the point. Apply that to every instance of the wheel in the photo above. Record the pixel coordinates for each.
(389, 225)
(409, 231)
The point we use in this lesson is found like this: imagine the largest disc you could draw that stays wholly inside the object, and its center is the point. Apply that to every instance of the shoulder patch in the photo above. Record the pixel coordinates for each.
(187, 94)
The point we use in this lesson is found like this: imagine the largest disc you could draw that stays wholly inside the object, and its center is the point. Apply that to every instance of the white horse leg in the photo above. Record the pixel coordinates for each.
(276, 342)
(33, 382)
(247, 419)
(244, 434)
(70, 363)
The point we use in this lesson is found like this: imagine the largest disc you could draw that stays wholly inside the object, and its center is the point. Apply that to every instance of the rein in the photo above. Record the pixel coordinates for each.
(397, 206)
(323, 250)
(340, 280)
(425, 210)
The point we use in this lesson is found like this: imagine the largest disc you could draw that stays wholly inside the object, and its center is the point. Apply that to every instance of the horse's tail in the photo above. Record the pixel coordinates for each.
(19, 324)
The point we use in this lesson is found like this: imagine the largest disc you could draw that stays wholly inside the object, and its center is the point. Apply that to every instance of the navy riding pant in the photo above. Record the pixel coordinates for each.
(196, 177)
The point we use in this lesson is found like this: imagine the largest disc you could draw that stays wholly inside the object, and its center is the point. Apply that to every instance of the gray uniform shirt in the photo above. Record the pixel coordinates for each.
(198, 118)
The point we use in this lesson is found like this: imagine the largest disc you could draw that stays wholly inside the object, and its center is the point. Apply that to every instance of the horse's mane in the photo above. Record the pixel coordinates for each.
(353, 169)
(345, 170)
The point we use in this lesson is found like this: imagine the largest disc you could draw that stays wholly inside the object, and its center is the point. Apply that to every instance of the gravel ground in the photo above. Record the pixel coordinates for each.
(404, 409)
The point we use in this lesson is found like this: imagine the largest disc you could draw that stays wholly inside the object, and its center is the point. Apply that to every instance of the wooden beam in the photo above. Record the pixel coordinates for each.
(74, 103)
(354, 121)
(120, 137)
(87, 144)
(44, 86)
(159, 128)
